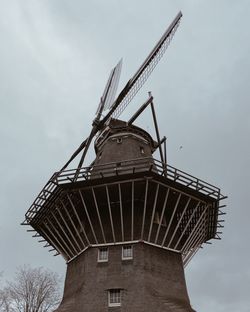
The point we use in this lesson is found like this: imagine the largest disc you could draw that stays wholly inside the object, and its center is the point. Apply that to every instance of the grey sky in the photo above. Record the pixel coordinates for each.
(55, 58)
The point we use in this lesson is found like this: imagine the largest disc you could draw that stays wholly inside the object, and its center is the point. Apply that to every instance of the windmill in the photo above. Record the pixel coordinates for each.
(128, 223)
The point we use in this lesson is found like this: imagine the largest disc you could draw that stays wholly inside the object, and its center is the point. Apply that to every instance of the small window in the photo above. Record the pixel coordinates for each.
(142, 150)
(114, 297)
(100, 155)
(127, 252)
(119, 140)
(103, 254)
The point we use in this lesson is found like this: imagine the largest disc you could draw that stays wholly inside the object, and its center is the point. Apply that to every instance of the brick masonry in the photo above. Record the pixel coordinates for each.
(153, 281)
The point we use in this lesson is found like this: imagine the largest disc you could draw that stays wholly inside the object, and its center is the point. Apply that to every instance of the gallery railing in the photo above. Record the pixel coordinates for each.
(146, 164)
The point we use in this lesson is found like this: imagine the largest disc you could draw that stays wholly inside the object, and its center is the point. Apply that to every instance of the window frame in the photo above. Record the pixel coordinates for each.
(112, 292)
(99, 259)
(127, 257)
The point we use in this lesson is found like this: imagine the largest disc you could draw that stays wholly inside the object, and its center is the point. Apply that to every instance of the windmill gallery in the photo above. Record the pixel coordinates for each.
(128, 223)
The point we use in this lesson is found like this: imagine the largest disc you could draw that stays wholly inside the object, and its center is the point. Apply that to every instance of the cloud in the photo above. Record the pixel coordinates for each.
(55, 58)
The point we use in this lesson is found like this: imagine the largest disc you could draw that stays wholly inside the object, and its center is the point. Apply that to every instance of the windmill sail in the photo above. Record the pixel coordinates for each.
(110, 89)
(140, 77)
(128, 92)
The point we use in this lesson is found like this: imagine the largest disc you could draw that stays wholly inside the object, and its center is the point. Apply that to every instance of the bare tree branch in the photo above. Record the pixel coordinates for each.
(33, 290)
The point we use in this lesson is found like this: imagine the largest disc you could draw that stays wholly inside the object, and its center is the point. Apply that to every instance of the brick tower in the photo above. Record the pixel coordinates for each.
(128, 223)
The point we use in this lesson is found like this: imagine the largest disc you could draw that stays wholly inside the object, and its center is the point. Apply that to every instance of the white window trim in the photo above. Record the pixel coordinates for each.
(99, 252)
(130, 257)
(114, 304)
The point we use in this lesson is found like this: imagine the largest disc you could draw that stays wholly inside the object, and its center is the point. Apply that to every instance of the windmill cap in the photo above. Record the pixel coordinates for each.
(117, 126)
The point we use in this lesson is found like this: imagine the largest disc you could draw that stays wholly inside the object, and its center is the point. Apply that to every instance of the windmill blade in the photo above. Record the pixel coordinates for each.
(106, 100)
(140, 77)
(128, 92)
(110, 89)
(113, 86)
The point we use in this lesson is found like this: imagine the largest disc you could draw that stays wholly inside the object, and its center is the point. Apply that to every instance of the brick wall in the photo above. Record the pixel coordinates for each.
(153, 281)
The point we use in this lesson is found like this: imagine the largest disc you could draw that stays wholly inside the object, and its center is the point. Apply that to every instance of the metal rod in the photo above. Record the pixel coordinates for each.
(56, 239)
(196, 241)
(57, 254)
(157, 130)
(86, 148)
(177, 226)
(170, 222)
(59, 224)
(191, 255)
(80, 223)
(186, 261)
(76, 230)
(98, 214)
(153, 212)
(140, 110)
(144, 209)
(121, 212)
(158, 246)
(74, 155)
(60, 250)
(82, 251)
(217, 237)
(197, 223)
(88, 217)
(36, 235)
(162, 214)
(162, 141)
(221, 213)
(198, 235)
(67, 226)
(110, 213)
(222, 197)
(117, 243)
(165, 150)
(200, 231)
(191, 217)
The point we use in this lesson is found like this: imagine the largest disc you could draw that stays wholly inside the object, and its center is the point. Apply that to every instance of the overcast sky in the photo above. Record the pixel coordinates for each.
(55, 58)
